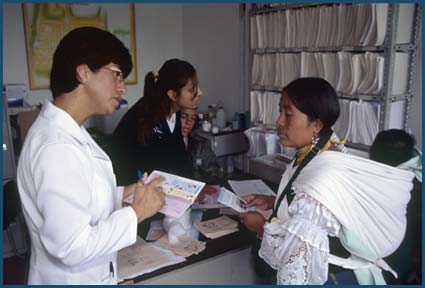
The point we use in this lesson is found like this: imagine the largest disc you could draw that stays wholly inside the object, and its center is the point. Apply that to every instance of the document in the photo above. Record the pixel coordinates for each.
(246, 187)
(180, 192)
(210, 198)
(156, 231)
(185, 247)
(233, 201)
(142, 257)
(217, 227)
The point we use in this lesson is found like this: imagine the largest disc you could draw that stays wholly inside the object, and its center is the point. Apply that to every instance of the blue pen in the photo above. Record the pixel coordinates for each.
(139, 174)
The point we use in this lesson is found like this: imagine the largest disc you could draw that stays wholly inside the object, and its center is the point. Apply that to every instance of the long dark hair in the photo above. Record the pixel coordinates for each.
(155, 104)
(316, 98)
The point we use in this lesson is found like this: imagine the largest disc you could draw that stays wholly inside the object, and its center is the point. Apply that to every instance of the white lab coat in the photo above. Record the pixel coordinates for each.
(71, 204)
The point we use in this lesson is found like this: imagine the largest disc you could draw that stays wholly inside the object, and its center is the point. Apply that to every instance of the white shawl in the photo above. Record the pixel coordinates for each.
(368, 198)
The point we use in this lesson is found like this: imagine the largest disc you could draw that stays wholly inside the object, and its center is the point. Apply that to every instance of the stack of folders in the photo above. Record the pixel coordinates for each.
(217, 227)
(358, 121)
(349, 73)
(324, 26)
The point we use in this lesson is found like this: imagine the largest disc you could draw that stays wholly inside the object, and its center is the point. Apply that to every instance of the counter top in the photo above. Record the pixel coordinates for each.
(219, 246)
(237, 240)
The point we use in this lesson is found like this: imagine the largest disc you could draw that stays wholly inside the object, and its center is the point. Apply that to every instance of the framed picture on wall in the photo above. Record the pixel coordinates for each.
(46, 23)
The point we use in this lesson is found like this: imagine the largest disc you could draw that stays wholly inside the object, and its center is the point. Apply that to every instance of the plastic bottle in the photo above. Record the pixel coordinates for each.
(211, 112)
(221, 118)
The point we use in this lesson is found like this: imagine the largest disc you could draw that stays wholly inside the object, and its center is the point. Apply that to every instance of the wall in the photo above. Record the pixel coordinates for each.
(163, 31)
(158, 37)
(212, 42)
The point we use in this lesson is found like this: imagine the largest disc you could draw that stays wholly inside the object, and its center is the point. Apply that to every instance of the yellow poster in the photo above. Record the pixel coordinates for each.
(46, 23)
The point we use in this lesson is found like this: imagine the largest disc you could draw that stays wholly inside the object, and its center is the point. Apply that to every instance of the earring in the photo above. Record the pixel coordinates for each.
(314, 139)
(84, 81)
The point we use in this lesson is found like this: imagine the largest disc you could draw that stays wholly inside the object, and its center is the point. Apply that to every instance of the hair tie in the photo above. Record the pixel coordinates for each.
(155, 75)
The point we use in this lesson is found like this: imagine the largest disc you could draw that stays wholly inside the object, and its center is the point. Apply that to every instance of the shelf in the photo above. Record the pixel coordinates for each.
(376, 98)
(19, 109)
(321, 49)
(358, 146)
(256, 11)
(400, 97)
(390, 51)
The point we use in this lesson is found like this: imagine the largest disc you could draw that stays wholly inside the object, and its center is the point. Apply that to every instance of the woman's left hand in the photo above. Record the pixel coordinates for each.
(252, 220)
(128, 190)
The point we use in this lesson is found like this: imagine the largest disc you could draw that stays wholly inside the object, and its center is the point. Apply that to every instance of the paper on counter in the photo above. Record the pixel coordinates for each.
(142, 258)
(217, 227)
(185, 248)
(210, 199)
(246, 187)
(156, 231)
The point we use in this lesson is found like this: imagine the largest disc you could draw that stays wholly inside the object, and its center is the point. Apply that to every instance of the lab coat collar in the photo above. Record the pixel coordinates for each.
(63, 120)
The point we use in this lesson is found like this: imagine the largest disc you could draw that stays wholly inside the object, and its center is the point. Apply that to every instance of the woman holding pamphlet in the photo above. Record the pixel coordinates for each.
(325, 193)
(72, 206)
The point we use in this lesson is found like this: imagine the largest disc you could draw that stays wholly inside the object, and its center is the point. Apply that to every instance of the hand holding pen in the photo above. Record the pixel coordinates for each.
(143, 177)
(148, 197)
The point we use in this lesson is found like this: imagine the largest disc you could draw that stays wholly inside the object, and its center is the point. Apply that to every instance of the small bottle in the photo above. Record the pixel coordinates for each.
(200, 120)
(235, 121)
(221, 118)
(211, 112)
(206, 126)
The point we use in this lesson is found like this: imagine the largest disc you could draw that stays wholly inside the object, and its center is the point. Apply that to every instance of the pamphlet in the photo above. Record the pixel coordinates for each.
(180, 192)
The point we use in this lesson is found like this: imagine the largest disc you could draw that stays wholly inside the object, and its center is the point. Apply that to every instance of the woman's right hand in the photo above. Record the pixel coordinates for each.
(252, 220)
(263, 202)
(148, 198)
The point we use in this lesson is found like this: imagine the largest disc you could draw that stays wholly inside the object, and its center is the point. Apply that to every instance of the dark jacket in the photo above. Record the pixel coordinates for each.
(205, 165)
(165, 151)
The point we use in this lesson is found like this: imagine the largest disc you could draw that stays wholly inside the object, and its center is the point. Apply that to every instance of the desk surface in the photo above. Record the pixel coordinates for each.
(241, 239)
(238, 240)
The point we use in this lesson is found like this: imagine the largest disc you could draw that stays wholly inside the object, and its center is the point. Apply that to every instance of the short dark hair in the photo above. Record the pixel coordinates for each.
(86, 45)
(316, 98)
(392, 147)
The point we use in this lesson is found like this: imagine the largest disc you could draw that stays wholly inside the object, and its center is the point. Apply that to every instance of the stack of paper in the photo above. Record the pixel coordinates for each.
(217, 227)
(142, 257)
(324, 26)
(265, 107)
(185, 247)
(358, 121)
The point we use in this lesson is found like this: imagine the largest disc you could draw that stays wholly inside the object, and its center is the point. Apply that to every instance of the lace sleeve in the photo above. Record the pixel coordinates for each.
(298, 247)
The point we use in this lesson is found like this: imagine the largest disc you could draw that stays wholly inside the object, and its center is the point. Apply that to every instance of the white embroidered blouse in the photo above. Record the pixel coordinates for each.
(297, 245)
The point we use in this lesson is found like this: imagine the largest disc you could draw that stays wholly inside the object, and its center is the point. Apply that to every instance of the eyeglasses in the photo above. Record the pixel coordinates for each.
(117, 73)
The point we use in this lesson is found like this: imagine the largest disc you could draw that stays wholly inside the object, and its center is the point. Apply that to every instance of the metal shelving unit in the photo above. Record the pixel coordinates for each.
(388, 51)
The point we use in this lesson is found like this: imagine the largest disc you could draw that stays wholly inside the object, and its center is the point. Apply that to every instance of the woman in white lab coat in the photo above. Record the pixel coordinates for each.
(70, 200)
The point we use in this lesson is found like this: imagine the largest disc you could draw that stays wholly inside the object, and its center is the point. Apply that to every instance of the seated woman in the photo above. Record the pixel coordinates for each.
(205, 165)
(323, 193)
(149, 137)
(396, 148)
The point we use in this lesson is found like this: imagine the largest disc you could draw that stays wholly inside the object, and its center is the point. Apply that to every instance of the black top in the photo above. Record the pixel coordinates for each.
(165, 151)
